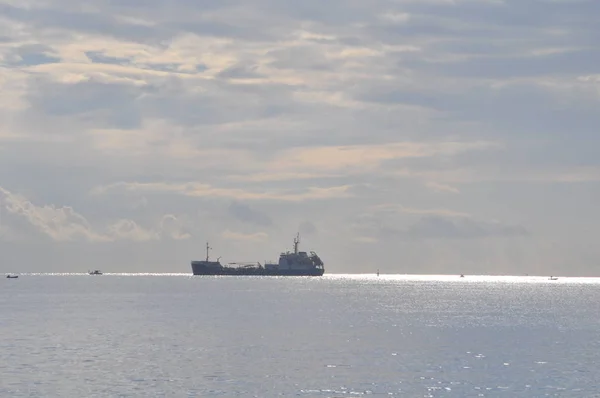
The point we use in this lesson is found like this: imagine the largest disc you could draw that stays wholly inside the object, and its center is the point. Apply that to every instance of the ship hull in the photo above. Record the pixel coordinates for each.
(227, 271)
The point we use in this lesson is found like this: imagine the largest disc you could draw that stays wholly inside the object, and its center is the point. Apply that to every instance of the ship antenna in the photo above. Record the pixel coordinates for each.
(296, 241)
(207, 249)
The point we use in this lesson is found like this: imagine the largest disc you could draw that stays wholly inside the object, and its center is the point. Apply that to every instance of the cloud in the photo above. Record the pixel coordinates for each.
(238, 236)
(391, 221)
(398, 208)
(437, 227)
(60, 224)
(64, 224)
(32, 54)
(365, 239)
(307, 228)
(151, 123)
(246, 214)
(205, 190)
(109, 104)
(442, 188)
(369, 156)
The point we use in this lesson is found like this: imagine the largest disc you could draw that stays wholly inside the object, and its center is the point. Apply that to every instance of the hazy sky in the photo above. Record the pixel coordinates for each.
(429, 136)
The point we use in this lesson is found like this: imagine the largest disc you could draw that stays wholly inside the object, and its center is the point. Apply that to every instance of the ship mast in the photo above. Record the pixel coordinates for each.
(296, 241)
(207, 249)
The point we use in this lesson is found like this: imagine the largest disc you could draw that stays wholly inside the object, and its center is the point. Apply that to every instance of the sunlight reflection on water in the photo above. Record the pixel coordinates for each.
(334, 336)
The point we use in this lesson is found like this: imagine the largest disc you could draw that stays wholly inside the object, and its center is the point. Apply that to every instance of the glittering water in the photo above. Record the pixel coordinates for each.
(335, 336)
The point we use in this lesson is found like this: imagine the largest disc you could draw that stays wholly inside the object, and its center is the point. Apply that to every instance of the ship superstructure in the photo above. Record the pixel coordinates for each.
(296, 263)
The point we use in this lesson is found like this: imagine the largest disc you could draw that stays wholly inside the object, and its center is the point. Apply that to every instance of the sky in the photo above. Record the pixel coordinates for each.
(430, 136)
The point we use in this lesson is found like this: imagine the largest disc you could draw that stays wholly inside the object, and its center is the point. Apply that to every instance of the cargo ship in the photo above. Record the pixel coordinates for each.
(294, 263)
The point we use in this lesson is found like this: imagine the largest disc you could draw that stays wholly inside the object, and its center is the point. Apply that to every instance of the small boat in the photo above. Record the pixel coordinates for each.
(12, 276)
(462, 275)
(95, 272)
(553, 278)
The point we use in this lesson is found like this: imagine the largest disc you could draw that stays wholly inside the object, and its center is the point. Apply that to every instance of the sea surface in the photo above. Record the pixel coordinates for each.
(175, 335)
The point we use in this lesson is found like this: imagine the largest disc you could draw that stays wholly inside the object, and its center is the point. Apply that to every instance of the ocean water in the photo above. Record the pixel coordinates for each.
(336, 336)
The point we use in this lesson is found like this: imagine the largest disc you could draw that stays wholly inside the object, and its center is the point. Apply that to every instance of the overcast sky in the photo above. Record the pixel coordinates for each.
(429, 136)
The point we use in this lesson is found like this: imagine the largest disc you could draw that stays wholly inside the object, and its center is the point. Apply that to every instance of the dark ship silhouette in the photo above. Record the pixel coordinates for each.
(294, 263)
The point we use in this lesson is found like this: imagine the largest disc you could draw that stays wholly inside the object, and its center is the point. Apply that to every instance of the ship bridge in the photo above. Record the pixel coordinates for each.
(298, 260)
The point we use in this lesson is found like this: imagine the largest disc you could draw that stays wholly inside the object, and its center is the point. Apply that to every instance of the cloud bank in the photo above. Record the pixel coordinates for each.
(463, 134)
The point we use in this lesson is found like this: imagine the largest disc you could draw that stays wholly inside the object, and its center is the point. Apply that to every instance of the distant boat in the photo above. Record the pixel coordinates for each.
(12, 276)
(462, 275)
(553, 278)
(294, 263)
(95, 272)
